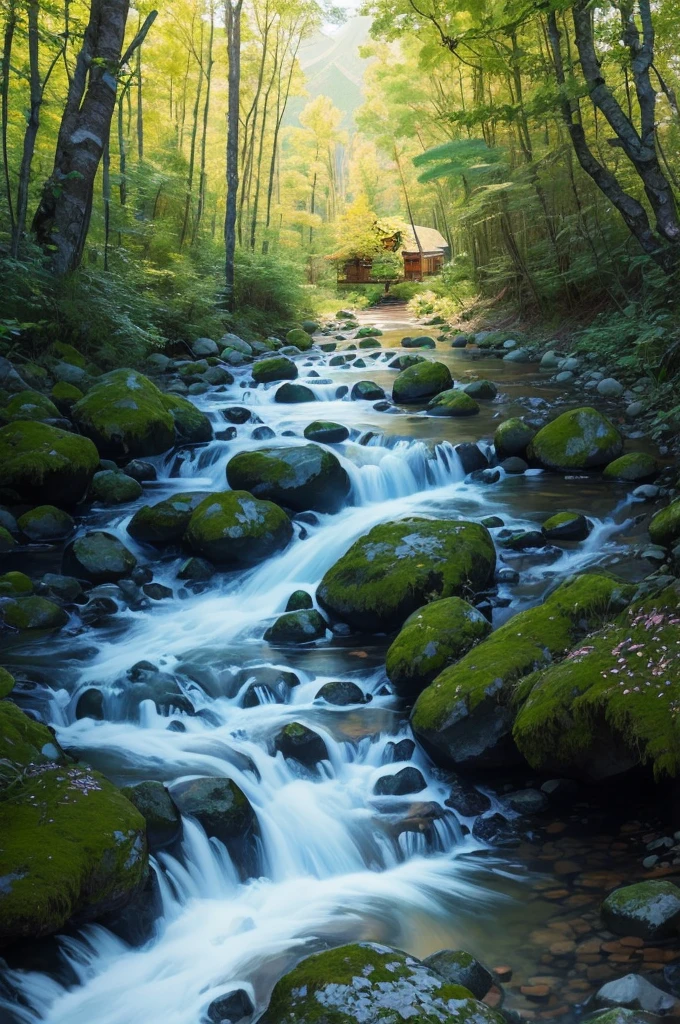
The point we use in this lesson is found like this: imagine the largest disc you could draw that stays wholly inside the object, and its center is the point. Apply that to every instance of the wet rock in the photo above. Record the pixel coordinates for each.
(550, 360)
(402, 750)
(7, 541)
(140, 471)
(514, 465)
(341, 694)
(522, 540)
(421, 381)
(300, 477)
(481, 389)
(219, 806)
(650, 910)
(495, 830)
(46, 524)
(452, 403)
(276, 368)
(42, 463)
(432, 638)
(236, 529)
(263, 433)
(633, 992)
(125, 415)
(301, 627)
(521, 355)
(633, 467)
(664, 528)
(15, 584)
(567, 526)
(466, 799)
(422, 341)
(471, 458)
(292, 394)
(167, 520)
(155, 804)
(578, 439)
(403, 362)
(114, 488)
(367, 391)
(407, 780)
(233, 343)
(528, 801)
(326, 432)
(236, 414)
(461, 968)
(231, 1008)
(512, 438)
(99, 557)
(6, 683)
(90, 704)
(298, 743)
(395, 568)
(196, 570)
(32, 612)
(157, 591)
(191, 425)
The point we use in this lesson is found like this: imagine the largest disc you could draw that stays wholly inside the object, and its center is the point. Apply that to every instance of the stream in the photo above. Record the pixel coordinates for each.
(333, 862)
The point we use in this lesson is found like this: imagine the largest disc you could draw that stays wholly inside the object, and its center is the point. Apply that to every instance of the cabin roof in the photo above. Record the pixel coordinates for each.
(430, 240)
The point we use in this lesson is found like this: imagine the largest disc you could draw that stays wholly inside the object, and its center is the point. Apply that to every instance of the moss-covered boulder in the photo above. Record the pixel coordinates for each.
(298, 601)
(632, 468)
(292, 394)
(461, 968)
(236, 529)
(42, 463)
(112, 487)
(300, 338)
(465, 716)
(72, 848)
(367, 391)
(368, 331)
(124, 413)
(65, 353)
(579, 439)
(664, 527)
(565, 526)
(46, 524)
(326, 432)
(191, 425)
(277, 368)
(29, 405)
(6, 683)
(32, 612)
(452, 403)
(430, 640)
(512, 438)
(421, 381)
(365, 982)
(7, 541)
(15, 584)
(408, 359)
(65, 396)
(298, 743)
(397, 567)
(154, 803)
(649, 910)
(301, 477)
(167, 520)
(99, 557)
(297, 627)
(610, 704)
(422, 341)
(219, 805)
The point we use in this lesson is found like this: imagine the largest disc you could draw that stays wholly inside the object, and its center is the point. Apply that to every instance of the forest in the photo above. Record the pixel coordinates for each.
(339, 512)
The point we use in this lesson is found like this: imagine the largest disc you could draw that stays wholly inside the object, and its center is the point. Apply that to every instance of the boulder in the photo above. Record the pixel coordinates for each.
(300, 339)
(326, 432)
(112, 487)
(231, 1008)
(466, 799)
(366, 982)
(191, 425)
(465, 716)
(99, 557)
(7, 684)
(422, 341)
(236, 529)
(300, 627)
(310, 326)
(233, 343)
(154, 803)
(461, 968)
(634, 467)
(167, 520)
(46, 524)
(298, 601)
(452, 403)
(431, 639)
(401, 783)
(513, 437)
(567, 526)
(299, 477)
(265, 371)
(341, 694)
(125, 414)
(579, 439)
(140, 471)
(650, 910)
(481, 389)
(633, 992)
(7, 541)
(204, 347)
(528, 801)
(367, 391)
(41, 463)
(397, 567)
(298, 743)
(369, 332)
(471, 457)
(495, 830)
(29, 405)
(664, 528)
(421, 381)
(15, 584)
(294, 394)
(32, 612)
(403, 362)
(219, 806)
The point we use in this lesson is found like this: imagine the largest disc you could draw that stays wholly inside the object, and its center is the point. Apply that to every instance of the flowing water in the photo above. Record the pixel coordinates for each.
(333, 862)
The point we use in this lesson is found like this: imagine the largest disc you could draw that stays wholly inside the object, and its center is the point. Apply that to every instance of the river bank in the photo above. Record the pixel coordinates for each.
(165, 670)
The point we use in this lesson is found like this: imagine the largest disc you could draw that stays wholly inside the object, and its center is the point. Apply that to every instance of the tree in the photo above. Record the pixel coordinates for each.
(233, 28)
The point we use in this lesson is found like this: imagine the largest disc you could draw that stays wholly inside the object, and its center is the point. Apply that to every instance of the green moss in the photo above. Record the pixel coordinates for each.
(578, 439)
(125, 415)
(301, 477)
(664, 527)
(649, 909)
(453, 403)
(67, 354)
(99, 557)
(7, 541)
(293, 393)
(431, 639)
(369, 332)
(566, 526)
(6, 683)
(300, 339)
(397, 567)
(39, 461)
(112, 487)
(632, 467)
(299, 627)
(620, 689)
(326, 432)
(277, 368)
(30, 405)
(167, 520)
(63, 392)
(513, 437)
(421, 381)
(32, 612)
(13, 583)
(234, 528)
(46, 523)
(23, 742)
(191, 424)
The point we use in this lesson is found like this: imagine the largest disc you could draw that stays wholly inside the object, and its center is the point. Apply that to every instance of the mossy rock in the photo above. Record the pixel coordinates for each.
(72, 849)
(125, 414)
(154, 803)
(431, 639)
(611, 703)
(481, 389)
(366, 982)
(300, 339)
(167, 520)
(292, 394)
(370, 343)
(236, 529)
(301, 477)
(277, 368)
(235, 344)
(112, 487)
(310, 326)
(6, 686)
(65, 396)
(664, 528)
(579, 439)
(299, 743)
(326, 432)
(422, 341)
(99, 557)
(7, 541)
(15, 584)
(367, 391)
(399, 566)
(403, 362)
(461, 968)
(46, 524)
(465, 716)
(297, 627)
(566, 526)
(421, 381)
(219, 805)
(29, 405)
(32, 612)
(649, 910)
(298, 601)
(66, 353)
(191, 425)
(369, 332)
(452, 403)
(512, 438)
(41, 462)
(23, 742)
(632, 468)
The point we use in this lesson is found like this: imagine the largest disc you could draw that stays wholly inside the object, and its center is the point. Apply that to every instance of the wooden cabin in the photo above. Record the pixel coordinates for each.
(423, 254)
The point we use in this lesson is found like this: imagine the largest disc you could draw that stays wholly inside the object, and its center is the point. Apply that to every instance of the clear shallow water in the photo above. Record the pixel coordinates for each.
(334, 863)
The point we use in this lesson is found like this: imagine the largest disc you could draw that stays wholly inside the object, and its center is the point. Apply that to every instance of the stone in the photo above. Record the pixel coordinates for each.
(481, 389)
(154, 803)
(512, 438)
(191, 425)
(401, 783)
(472, 458)
(292, 394)
(233, 343)
(157, 591)
(650, 910)
(32, 612)
(300, 339)
(141, 471)
(326, 432)
(514, 465)
(367, 391)
(390, 572)
(299, 477)
(609, 387)
(43, 463)
(298, 743)
(273, 369)
(98, 557)
(167, 520)
(125, 415)
(236, 529)
(236, 414)
(66, 589)
(219, 805)
(466, 799)
(550, 360)
(664, 528)
(632, 468)
(15, 584)
(46, 524)
(421, 382)
(528, 801)
(341, 694)
(112, 487)
(422, 341)
(196, 570)
(452, 403)
(495, 830)
(231, 1008)
(300, 627)
(579, 439)
(29, 405)
(204, 347)
(461, 968)
(634, 992)
(299, 600)
(567, 526)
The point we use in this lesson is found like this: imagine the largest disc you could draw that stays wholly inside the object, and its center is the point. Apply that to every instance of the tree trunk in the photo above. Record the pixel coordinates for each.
(233, 27)
(192, 146)
(140, 107)
(280, 112)
(10, 26)
(202, 183)
(32, 126)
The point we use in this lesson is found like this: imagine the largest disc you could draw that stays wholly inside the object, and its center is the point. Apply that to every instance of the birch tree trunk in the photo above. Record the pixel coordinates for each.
(233, 27)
